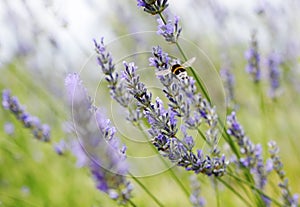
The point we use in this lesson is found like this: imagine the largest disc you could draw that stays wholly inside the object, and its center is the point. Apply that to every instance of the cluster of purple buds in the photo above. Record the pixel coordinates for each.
(39, 131)
(153, 6)
(169, 30)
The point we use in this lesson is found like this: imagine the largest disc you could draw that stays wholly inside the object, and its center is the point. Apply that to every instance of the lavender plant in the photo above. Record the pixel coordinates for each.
(288, 198)
(169, 30)
(196, 199)
(163, 122)
(40, 131)
(274, 74)
(164, 128)
(96, 144)
(229, 83)
(252, 159)
(153, 6)
(253, 58)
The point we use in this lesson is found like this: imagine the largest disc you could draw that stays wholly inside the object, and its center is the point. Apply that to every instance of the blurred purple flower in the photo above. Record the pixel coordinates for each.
(195, 198)
(274, 61)
(96, 145)
(60, 147)
(229, 81)
(40, 131)
(9, 128)
(253, 58)
(288, 198)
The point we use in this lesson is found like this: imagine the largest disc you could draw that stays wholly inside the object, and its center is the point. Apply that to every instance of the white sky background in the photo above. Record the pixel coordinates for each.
(74, 23)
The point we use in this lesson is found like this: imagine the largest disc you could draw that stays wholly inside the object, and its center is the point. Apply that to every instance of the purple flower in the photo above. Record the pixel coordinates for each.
(170, 31)
(253, 58)
(117, 89)
(288, 198)
(40, 131)
(104, 58)
(9, 128)
(195, 198)
(251, 157)
(96, 145)
(274, 74)
(153, 6)
(141, 3)
(60, 147)
(229, 81)
(160, 59)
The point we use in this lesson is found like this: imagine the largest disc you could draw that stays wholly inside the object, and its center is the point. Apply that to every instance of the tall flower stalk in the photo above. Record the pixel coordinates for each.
(287, 197)
(97, 146)
(274, 74)
(253, 60)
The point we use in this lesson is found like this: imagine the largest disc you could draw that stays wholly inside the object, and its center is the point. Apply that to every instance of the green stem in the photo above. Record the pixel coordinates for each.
(132, 203)
(217, 193)
(192, 69)
(235, 192)
(146, 190)
(254, 188)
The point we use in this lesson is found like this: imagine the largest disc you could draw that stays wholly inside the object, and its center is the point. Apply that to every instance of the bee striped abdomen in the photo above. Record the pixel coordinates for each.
(179, 71)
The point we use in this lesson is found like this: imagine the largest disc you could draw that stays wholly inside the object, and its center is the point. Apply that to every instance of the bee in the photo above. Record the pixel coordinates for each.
(177, 69)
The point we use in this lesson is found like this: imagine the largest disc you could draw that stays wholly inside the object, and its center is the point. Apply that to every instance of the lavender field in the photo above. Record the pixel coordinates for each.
(149, 103)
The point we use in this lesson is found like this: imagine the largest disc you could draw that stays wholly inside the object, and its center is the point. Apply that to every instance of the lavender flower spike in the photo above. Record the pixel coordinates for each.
(288, 198)
(153, 6)
(251, 155)
(105, 60)
(274, 74)
(170, 31)
(39, 131)
(195, 198)
(96, 146)
(253, 58)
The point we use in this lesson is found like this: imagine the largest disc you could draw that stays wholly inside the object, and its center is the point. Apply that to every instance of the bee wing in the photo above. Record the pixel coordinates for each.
(189, 62)
(162, 72)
